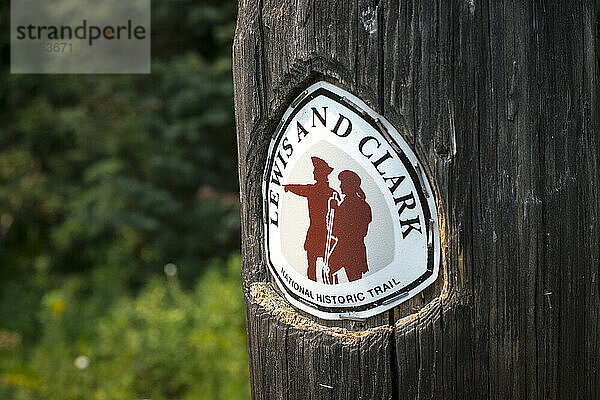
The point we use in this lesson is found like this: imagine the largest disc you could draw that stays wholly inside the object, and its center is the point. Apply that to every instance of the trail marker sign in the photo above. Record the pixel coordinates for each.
(351, 225)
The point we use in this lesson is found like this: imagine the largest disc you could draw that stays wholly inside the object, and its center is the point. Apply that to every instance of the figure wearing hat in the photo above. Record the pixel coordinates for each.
(352, 219)
(318, 195)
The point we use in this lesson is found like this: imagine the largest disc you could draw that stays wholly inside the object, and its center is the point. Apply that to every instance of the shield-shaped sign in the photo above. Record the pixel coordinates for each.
(351, 225)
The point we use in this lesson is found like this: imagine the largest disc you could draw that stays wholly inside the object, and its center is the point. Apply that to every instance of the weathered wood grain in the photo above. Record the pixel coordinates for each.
(499, 100)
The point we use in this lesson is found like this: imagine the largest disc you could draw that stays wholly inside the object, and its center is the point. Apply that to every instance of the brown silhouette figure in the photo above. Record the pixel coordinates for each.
(318, 195)
(350, 225)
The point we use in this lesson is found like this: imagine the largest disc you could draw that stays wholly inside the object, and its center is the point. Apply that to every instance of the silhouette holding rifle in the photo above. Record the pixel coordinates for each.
(335, 239)
(318, 195)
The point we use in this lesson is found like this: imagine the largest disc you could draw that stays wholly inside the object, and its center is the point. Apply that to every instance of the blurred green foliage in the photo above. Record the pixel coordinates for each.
(163, 343)
(105, 179)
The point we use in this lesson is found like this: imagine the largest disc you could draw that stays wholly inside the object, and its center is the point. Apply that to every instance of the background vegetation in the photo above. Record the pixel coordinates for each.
(119, 223)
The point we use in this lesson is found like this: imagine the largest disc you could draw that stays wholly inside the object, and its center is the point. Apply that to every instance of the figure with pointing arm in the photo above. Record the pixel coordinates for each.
(318, 195)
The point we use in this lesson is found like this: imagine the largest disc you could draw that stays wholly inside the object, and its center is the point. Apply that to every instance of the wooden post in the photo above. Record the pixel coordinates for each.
(499, 100)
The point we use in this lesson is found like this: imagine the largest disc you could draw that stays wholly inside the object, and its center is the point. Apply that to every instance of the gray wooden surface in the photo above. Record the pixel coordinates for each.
(499, 100)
